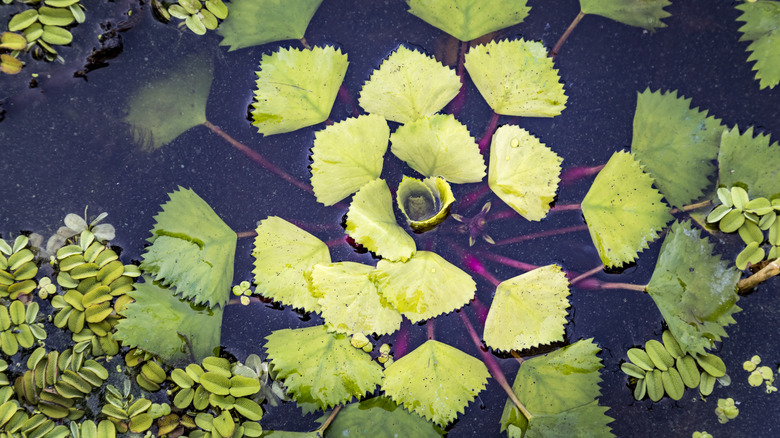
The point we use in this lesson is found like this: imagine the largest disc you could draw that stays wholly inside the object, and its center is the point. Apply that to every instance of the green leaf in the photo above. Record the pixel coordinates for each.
(436, 381)
(694, 290)
(320, 367)
(182, 90)
(425, 203)
(470, 19)
(516, 78)
(623, 210)
(676, 144)
(284, 256)
(54, 16)
(528, 310)
(640, 13)
(347, 155)
(560, 390)
(407, 86)
(423, 287)
(165, 325)
(751, 254)
(762, 19)
(524, 173)
(255, 22)
(371, 223)
(379, 417)
(441, 146)
(296, 88)
(350, 302)
(751, 161)
(192, 250)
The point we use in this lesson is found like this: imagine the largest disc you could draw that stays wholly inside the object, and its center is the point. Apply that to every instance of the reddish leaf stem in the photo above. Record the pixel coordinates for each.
(259, 159)
(456, 105)
(580, 172)
(581, 277)
(431, 323)
(493, 367)
(547, 233)
(471, 198)
(507, 261)
(488, 135)
(565, 36)
(566, 207)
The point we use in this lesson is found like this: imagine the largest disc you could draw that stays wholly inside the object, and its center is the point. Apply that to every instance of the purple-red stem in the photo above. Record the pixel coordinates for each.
(474, 197)
(431, 325)
(547, 233)
(493, 367)
(566, 207)
(475, 265)
(346, 98)
(259, 159)
(507, 261)
(586, 275)
(456, 105)
(566, 34)
(488, 135)
(576, 173)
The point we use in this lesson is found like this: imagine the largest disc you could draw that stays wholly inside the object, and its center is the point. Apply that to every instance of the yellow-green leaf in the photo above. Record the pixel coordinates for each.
(470, 19)
(252, 22)
(762, 19)
(640, 13)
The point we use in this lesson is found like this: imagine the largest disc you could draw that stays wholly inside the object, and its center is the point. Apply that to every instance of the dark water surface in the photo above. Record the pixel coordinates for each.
(63, 146)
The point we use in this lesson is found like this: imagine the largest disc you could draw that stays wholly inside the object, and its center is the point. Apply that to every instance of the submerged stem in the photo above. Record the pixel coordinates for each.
(488, 135)
(259, 159)
(565, 36)
(767, 272)
(691, 206)
(542, 234)
(627, 286)
(493, 367)
(593, 271)
(330, 419)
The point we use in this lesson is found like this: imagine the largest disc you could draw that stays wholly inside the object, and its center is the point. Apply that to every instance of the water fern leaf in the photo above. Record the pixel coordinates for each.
(470, 19)
(762, 19)
(254, 22)
(528, 310)
(676, 144)
(409, 85)
(380, 417)
(751, 161)
(423, 287)
(517, 78)
(524, 172)
(192, 250)
(695, 290)
(623, 210)
(172, 102)
(297, 88)
(347, 155)
(371, 223)
(350, 302)
(560, 390)
(320, 367)
(284, 257)
(167, 326)
(441, 146)
(436, 381)
(646, 14)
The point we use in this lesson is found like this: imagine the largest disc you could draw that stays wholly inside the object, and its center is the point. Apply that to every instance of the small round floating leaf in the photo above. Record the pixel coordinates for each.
(655, 385)
(146, 384)
(633, 370)
(711, 364)
(724, 195)
(180, 378)
(52, 410)
(98, 312)
(195, 24)
(215, 383)
(689, 371)
(184, 398)
(24, 336)
(201, 398)
(19, 258)
(23, 20)
(208, 19)
(85, 270)
(21, 288)
(759, 206)
(152, 371)
(55, 16)
(658, 354)
(673, 384)
(141, 405)
(56, 35)
(141, 423)
(218, 8)
(241, 386)
(767, 220)
(750, 233)
(217, 364)
(78, 13)
(26, 271)
(640, 358)
(751, 254)
(17, 312)
(718, 213)
(671, 344)
(114, 412)
(12, 41)
(194, 371)
(224, 424)
(739, 197)
(110, 272)
(707, 383)
(248, 409)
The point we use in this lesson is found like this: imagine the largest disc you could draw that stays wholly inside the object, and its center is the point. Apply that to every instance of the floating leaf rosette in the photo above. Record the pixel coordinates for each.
(172, 103)
(528, 310)
(751, 161)
(623, 210)
(371, 223)
(695, 291)
(646, 14)
(517, 78)
(347, 155)
(439, 145)
(470, 19)
(320, 367)
(252, 22)
(284, 256)
(676, 144)
(560, 391)
(165, 325)
(407, 86)
(192, 249)
(762, 19)
(349, 300)
(524, 173)
(425, 286)
(425, 203)
(296, 88)
(436, 381)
